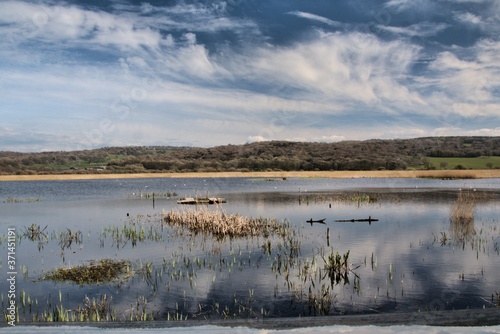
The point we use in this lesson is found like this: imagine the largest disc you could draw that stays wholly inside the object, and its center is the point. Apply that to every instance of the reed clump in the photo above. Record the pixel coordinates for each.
(337, 268)
(102, 271)
(96, 309)
(462, 215)
(35, 233)
(66, 239)
(221, 224)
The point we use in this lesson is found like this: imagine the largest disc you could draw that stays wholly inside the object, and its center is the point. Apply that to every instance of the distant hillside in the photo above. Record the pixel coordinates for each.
(419, 153)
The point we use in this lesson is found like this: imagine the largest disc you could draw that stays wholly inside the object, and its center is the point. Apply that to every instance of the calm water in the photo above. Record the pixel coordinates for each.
(409, 260)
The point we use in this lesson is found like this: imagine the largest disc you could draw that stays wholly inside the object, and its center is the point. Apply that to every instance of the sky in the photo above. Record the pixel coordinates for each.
(87, 74)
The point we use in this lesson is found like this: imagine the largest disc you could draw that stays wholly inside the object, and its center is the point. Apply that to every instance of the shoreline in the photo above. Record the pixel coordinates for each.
(445, 318)
(452, 174)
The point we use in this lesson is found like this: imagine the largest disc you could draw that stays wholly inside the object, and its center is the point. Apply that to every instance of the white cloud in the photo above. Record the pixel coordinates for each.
(166, 78)
(322, 139)
(347, 67)
(449, 61)
(73, 25)
(423, 29)
(421, 6)
(469, 18)
(253, 139)
(467, 86)
(315, 17)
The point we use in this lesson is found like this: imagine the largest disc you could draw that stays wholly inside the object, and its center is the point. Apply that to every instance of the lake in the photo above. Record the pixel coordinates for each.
(412, 258)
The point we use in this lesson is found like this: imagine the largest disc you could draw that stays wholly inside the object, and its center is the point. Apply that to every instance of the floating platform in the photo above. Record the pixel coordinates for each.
(206, 200)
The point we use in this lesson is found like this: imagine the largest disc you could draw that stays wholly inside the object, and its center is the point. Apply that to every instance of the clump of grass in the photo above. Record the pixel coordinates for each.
(320, 303)
(96, 310)
(21, 200)
(462, 215)
(364, 198)
(102, 271)
(34, 233)
(337, 268)
(447, 174)
(69, 237)
(221, 225)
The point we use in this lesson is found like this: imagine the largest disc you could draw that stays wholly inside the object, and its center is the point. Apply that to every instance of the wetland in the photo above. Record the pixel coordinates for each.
(108, 250)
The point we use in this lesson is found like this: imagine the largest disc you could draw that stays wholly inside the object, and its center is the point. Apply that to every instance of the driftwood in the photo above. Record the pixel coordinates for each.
(369, 219)
(319, 221)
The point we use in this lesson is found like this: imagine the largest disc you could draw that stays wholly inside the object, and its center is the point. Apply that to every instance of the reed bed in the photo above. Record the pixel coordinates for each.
(221, 224)
(462, 215)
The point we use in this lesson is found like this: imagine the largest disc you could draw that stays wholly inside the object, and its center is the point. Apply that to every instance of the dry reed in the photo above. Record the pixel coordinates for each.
(478, 173)
(462, 215)
(221, 224)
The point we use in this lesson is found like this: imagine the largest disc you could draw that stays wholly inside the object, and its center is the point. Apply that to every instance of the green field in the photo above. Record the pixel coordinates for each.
(469, 163)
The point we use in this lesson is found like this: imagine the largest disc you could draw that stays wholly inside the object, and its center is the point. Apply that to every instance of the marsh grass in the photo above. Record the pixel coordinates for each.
(337, 268)
(221, 224)
(136, 229)
(147, 195)
(102, 271)
(462, 216)
(96, 310)
(35, 233)
(21, 200)
(66, 239)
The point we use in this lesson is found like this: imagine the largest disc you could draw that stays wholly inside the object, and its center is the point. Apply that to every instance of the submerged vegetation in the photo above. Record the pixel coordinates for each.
(94, 272)
(21, 200)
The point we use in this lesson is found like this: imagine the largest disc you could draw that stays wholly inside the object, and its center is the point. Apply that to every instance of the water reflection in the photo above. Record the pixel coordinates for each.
(393, 264)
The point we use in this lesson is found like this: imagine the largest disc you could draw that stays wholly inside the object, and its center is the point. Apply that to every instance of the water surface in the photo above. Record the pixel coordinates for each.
(408, 260)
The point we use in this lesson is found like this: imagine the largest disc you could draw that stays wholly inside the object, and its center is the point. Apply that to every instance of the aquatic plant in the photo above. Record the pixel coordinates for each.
(138, 229)
(337, 268)
(66, 239)
(92, 273)
(146, 195)
(21, 200)
(221, 224)
(13, 200)
(34, 233)
(96, 310)
(320, 303)
(364, 198)
(462, 215)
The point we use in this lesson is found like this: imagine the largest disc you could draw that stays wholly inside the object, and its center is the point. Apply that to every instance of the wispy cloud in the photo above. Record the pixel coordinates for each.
(315, 17)
(214, 73)
(423, 29)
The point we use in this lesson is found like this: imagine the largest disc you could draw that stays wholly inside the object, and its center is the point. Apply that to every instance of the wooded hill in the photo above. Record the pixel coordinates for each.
(273, 155)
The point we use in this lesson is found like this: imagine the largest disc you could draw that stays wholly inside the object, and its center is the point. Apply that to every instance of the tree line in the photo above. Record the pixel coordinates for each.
(395, 154)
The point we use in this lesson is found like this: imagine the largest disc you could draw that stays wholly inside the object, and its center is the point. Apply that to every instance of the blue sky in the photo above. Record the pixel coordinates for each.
(87, 74)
